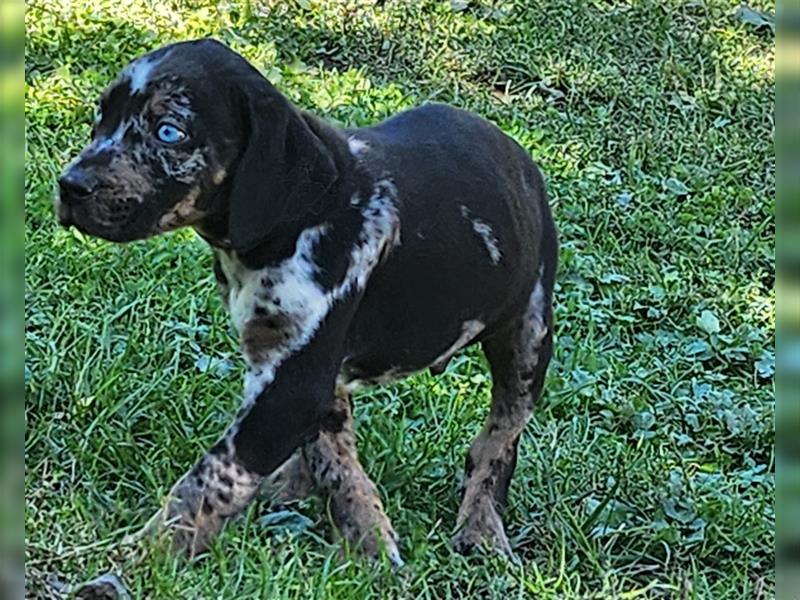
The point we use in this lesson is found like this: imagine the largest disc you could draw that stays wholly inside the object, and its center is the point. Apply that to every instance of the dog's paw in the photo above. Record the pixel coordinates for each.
(191, 520)
(199, 505)
(374, 545)
(380, 541)
(188, 521)
(482, 529)
(361, 521)
(106, 587)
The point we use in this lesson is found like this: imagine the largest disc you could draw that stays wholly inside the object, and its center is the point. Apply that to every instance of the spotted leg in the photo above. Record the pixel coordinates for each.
(518, 357)
(354, 502)
(218, 487)
(293, 328)
(284, 413)
(291, 481)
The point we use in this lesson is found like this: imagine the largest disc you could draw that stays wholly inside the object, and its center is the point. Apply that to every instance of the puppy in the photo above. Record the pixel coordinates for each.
(346, 257)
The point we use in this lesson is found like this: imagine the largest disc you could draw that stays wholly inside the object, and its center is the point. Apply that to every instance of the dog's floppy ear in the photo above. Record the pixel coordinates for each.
(283, 172)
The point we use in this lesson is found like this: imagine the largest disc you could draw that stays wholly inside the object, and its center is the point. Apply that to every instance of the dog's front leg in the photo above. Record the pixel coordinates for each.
(219, 486)
(283, 409)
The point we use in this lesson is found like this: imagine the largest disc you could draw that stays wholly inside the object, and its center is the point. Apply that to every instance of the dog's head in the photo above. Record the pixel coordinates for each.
(188, 132)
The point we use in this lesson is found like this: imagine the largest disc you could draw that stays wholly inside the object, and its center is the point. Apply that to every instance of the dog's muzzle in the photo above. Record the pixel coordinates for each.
(75, 187)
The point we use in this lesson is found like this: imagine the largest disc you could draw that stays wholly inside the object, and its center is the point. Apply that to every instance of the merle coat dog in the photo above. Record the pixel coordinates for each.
(346, 257)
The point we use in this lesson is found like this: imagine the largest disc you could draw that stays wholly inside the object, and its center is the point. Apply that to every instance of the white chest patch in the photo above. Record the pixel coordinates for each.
(291, 282)
(290, 293)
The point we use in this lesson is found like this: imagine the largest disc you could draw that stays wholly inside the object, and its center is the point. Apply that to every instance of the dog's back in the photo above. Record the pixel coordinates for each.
(474, 226)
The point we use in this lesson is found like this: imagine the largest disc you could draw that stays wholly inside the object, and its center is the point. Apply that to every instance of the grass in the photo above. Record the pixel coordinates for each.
(648, 470)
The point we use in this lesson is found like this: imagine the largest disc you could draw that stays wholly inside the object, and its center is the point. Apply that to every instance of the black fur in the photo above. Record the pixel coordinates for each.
(284, 172)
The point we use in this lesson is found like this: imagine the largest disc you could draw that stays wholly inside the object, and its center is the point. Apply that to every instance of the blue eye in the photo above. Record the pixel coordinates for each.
(169, 134)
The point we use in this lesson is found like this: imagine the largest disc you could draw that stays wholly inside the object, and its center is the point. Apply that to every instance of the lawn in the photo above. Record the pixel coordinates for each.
(648, 469)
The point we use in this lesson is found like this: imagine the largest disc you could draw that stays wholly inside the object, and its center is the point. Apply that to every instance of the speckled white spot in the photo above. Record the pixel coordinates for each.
(485, 232)
(357, 147)
(535, 316)
(139, 72)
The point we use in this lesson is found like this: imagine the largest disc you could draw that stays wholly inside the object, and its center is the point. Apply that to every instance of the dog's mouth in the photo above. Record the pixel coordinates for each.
(114, 220)
(63, 213)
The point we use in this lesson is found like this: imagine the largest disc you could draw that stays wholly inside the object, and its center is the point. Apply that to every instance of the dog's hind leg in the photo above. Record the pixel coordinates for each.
(353, 498)
(290, 482)
(518, 356)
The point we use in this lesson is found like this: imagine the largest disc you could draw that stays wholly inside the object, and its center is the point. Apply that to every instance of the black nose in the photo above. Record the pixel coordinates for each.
(76, 185)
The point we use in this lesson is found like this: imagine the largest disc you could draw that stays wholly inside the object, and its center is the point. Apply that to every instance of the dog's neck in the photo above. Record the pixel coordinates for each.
(279, 245)
(282, 239)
